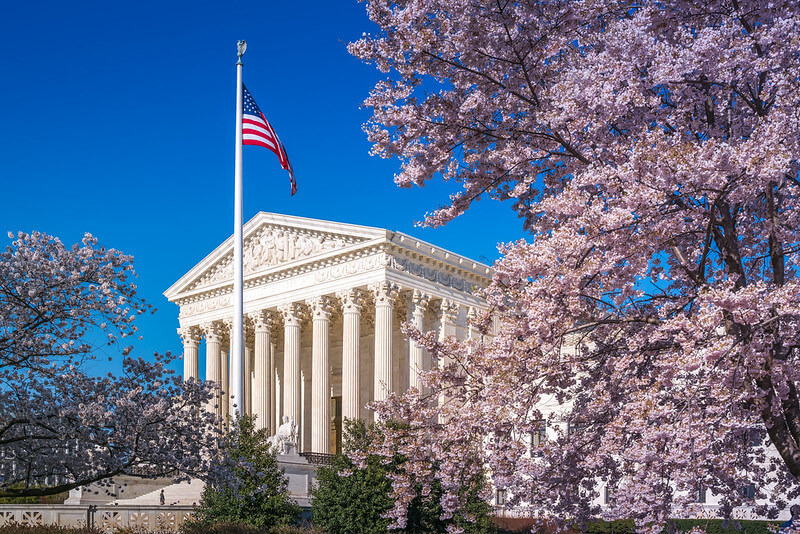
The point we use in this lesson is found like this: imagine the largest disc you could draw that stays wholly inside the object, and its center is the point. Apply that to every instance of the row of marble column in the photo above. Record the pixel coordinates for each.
(261, 400)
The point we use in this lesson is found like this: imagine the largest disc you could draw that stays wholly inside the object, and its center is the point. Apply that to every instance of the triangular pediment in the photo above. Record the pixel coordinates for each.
(273, 241)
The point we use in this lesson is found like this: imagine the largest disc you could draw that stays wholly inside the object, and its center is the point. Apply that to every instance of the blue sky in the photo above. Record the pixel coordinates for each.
(117, 118)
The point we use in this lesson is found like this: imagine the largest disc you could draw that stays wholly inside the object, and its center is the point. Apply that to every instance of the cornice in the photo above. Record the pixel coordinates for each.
(282, 272)
(418, 248)
(401, 253)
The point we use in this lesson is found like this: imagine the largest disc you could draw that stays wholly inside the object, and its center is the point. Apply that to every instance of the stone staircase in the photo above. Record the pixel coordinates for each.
(183, 494)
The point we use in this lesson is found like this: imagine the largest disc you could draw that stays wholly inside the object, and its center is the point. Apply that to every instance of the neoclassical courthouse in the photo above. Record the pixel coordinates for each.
(324, 303)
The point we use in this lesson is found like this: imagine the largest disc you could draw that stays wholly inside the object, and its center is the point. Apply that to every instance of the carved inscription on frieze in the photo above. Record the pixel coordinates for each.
(214, 303)
(379, 261)
(429, 273)
(361, 265)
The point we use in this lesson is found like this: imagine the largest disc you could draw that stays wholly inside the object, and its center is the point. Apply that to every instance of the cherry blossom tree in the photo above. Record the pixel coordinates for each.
(60, 426)
(651, 149)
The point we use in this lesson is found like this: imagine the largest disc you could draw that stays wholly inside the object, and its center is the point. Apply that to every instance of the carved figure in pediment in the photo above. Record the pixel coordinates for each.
(222, 272)
(306, 245)
(259, 252)
(291, 242)
(252, 256)
(281, 245)
(272, 246)
(268, 248)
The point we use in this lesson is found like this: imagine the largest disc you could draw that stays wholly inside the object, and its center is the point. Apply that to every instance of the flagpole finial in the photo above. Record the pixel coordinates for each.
(241, 46)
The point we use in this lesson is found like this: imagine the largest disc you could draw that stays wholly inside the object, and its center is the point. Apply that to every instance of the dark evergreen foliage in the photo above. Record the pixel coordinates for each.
(710, 526)
(248, 487)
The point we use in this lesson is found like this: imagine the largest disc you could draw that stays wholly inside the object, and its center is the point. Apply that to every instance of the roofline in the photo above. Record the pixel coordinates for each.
(370, 233)
(456, 260)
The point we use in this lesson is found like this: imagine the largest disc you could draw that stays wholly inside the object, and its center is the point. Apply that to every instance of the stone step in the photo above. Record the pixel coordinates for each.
(182, 493)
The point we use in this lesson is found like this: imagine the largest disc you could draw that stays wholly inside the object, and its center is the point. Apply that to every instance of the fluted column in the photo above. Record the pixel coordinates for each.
(351, 345)
(276, 399)
(304, 429)
(416, 354)
(473, 332)
(213, 370)
(320, 375)
(384, 310)
(247, 385)
(449, 315)
(224, 361)
(247, 367)
(449, 311)
(263, 373)
(191, 351)
(291, 361)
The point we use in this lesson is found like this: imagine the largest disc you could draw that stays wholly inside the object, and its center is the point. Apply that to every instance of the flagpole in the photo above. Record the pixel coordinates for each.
(237, 333)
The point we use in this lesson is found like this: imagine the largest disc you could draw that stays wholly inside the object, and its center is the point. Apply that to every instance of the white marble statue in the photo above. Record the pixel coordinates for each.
(285, 440)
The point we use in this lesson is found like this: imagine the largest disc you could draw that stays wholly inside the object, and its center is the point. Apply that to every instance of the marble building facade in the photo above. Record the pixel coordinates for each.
(323, 303)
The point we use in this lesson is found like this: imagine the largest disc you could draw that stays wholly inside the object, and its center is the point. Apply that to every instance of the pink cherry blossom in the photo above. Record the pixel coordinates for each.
(651, 149)
(61, 427)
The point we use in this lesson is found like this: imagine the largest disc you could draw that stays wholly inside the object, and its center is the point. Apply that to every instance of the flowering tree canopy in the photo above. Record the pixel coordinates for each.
(651, 149)
(60, 427)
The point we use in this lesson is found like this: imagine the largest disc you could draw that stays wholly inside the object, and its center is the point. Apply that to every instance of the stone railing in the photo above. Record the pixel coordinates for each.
(106, 518)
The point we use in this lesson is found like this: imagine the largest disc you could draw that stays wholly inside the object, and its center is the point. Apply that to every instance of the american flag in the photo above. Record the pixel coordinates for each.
(256, 130)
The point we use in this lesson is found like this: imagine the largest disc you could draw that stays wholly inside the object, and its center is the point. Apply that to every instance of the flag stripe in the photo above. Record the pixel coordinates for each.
(260, 139)
(251, 140)
(281, 152)
(256, 126)
(256, 130)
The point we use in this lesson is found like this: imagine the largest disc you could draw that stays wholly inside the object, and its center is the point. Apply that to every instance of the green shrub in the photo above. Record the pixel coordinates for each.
(19, 500)
(620, 526)
(353, 504)
(222, 528)
(248, 488)
(718, 526)
(711, 526)
(58, 498)
(232, 528)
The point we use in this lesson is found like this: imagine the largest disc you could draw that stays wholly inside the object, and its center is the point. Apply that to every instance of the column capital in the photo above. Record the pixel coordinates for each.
(420, 298)
(264, 320)
(249, 333)
(225, 332)
(473, 318)
(352, 300)
(292, 313)
(384, 292)
(449, 310)
(320, 306)
(419, 302)
(213, 331)
(190, 335)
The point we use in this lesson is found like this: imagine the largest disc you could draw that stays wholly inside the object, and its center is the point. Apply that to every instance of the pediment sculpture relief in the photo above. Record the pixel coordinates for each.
(272, 246)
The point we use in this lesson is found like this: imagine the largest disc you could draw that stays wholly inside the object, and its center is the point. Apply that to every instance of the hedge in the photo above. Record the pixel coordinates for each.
(711, 526)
